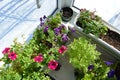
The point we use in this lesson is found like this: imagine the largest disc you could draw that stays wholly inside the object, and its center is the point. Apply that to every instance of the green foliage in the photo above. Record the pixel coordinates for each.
(53, 22)
(99, 72)
(24, 66)
(91, 23)
(9, 74)
(48, 43)
(83, 54)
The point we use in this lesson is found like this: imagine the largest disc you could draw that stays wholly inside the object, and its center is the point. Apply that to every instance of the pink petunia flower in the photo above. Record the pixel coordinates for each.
(12, 56)
(52, 65)
(6, 50)
(39, 58)
(62, 49)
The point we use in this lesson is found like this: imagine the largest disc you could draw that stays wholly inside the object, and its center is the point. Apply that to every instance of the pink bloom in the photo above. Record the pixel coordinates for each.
(6, 50)
(38, 58)
(62, 49)
(52, 65)
(12, 56)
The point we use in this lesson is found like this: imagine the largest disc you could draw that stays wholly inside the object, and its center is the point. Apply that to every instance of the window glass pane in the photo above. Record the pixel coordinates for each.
(107, 9)
(19, 17)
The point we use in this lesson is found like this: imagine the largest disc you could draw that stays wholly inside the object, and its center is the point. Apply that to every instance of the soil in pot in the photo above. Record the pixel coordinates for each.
(67, 13)
(111, 37)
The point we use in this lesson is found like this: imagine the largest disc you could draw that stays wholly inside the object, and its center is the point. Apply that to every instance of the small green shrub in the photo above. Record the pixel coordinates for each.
(82, 53)
(91, 23)
(85, 59)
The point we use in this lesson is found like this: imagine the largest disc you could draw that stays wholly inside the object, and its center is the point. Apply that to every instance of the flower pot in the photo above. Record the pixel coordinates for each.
(67, 14)
(109, 52)
(66, 71)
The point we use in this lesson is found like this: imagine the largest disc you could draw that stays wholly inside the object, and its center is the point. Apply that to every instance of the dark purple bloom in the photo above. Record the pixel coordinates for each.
(57, 31)
(111, 73)
(71, 29)
(108, 63)
(44, 17)
(62, 26)
(42, 23)
(90, 67)
(41, 19)
(64, 37)
(46, 28)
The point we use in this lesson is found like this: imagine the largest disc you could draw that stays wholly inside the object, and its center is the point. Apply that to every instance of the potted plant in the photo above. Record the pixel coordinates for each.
(34, 59)
(66, 14)
(87, 62)
(106, 37)
(45, 54)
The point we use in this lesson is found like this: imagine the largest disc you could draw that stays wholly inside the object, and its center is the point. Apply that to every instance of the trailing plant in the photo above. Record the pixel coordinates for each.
(91, 23)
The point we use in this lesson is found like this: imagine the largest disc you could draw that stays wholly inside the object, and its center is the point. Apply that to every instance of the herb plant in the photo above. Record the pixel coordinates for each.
(91, 23)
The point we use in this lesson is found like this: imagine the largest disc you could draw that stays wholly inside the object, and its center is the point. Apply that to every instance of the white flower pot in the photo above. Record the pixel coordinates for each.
(109, 52)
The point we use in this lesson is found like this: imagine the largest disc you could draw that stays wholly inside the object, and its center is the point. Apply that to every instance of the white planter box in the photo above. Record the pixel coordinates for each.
(108, 51)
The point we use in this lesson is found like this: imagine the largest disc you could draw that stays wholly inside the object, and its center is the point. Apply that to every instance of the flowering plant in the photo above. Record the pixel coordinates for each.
(34, 60)
(29, 60)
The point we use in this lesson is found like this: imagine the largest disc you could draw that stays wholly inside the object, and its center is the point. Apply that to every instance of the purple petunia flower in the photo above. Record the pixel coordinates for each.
(62, 26)
(71, 29)
(57, 31)
(46, 28)
(64, 37)
(108, 63)
(44, 17)
(41, 19)
(90, 67)
(111, 73)
(42, 23)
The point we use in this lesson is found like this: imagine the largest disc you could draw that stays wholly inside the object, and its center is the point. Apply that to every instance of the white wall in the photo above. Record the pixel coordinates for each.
(64, 3)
